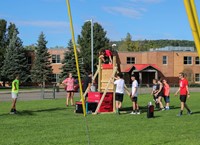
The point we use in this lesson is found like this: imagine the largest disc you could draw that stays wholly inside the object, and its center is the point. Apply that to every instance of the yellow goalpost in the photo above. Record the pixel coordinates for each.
(76, 57)
(194, 23)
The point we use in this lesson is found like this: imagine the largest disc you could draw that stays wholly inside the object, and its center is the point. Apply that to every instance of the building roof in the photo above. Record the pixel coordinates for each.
(173, 48)
(140, 67)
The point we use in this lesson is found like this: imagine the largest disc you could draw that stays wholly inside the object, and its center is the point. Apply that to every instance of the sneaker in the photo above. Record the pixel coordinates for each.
(138, 112)
(189, 113)
(12, 111)
(132, 112)
(166, 108)
(163, 109)
(179, 115)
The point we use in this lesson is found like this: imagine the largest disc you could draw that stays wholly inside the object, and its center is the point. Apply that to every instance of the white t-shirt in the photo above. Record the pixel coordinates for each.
(119, 86)
(134, 88)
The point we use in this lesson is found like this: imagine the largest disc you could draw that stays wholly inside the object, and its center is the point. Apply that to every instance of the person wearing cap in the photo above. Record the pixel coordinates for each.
(134, 95)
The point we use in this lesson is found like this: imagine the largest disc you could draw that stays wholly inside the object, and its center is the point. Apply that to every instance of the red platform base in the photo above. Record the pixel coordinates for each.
(107, 104)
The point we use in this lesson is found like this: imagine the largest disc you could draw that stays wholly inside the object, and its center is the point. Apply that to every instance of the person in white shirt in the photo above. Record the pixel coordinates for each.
(134, 95)
(119, 93)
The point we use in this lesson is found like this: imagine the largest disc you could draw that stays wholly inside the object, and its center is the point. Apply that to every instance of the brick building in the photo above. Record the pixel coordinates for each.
(164, 62)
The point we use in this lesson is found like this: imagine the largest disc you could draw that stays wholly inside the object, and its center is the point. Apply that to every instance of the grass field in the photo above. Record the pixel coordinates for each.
(49, 122)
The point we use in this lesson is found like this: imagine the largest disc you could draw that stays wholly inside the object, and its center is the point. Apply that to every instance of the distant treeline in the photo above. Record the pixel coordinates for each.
(145, 45)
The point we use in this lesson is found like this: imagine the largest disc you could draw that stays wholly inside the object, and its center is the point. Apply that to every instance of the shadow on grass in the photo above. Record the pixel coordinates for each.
(32, 112)
(197, 112)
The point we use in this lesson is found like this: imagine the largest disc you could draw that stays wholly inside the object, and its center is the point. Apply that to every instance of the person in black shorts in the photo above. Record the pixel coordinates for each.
(87, 83)
(159, 94)
(119, 93)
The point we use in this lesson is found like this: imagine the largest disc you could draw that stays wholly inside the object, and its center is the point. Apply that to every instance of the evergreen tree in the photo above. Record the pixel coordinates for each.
(129, 43)
(99, 41)
(3, 45)
(15, 61)
(69, 63)
(41, 71)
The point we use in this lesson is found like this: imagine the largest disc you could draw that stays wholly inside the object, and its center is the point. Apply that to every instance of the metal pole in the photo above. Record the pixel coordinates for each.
(92, 62)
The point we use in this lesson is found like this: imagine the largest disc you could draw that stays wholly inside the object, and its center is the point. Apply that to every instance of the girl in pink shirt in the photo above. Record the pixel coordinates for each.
(69, 86)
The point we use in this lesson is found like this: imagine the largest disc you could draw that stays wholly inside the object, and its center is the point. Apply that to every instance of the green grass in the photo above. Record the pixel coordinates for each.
(49, 122)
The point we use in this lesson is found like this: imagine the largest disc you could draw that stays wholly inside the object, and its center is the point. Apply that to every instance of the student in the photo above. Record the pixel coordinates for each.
(69, 85)
(159, 94)
(106, 56)
(15, 91)
(119, 93)
(184, 93)
(154, 91)
(87, 83)
(166, 92)
(134, 95)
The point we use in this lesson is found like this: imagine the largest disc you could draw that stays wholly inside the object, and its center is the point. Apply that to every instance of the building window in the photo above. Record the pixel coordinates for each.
(130, 60)
(164, 59)
(55, 78)
(55, 58)
(197, 77)
(187, 60)
(197, 60)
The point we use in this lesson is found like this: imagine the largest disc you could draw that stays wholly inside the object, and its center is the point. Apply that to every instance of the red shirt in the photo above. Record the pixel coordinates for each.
(182, 84)
(108, 53)
(166, 89)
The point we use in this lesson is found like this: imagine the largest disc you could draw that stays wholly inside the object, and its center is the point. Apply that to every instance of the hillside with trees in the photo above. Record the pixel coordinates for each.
(127, 44)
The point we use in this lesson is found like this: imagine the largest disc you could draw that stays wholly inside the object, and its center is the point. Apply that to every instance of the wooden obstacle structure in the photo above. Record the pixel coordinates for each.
(106, 74)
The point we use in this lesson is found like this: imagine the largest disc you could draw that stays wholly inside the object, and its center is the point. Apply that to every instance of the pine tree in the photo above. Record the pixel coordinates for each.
(15, 61)
(3, 43)
(69, 63)
(41, 71)
(84, 40)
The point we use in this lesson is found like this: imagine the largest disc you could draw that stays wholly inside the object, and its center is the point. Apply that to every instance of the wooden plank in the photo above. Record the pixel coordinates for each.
(99, 76)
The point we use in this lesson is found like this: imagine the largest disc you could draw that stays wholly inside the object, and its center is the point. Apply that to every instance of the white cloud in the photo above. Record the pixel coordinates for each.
(52, 0)
(146, 1)
(128, 12)
(43, 23)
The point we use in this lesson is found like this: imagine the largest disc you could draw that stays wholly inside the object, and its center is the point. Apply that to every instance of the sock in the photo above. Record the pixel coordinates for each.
(181, 112)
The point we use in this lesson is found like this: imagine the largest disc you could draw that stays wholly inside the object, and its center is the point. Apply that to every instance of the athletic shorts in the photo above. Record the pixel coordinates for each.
(70, 91)
(183, 98)
(14, 95)
(134, 99)
(119, 97)
(160, 94)
(167, 99)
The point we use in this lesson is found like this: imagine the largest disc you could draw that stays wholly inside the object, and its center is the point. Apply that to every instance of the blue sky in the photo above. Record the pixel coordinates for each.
(143, 19)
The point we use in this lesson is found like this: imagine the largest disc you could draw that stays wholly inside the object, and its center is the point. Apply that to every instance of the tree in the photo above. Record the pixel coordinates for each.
(69, 63)
(127, 44)
(99, 40)
(41, 71)
(3, 45)
(15, 61)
